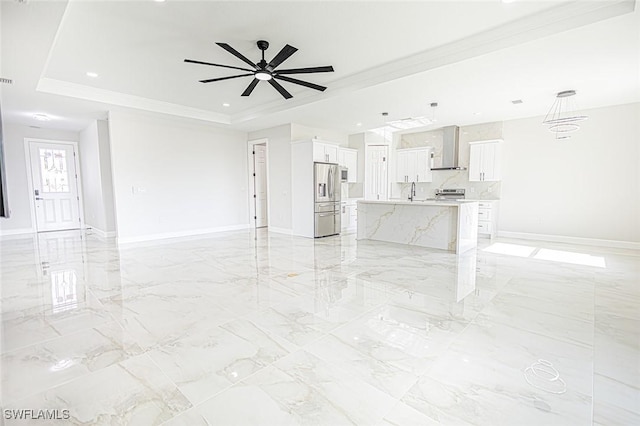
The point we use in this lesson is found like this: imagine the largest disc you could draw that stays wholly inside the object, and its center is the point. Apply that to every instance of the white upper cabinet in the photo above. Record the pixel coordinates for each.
(325, 153)
(485, 158)
(413, 165)
(348, 158)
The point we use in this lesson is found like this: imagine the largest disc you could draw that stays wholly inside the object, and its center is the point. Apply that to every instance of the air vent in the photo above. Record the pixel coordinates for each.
(6, 80)
(516, 101)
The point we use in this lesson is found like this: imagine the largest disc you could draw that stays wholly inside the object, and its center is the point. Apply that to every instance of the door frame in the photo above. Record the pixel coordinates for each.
(250, 181)
(32, 201)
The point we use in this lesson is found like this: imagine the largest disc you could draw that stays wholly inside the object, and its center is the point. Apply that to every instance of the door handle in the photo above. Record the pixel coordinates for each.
(327, 214)
(39, 198)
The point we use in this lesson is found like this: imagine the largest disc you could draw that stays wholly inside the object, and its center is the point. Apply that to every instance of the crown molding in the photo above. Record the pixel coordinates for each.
(65, 88)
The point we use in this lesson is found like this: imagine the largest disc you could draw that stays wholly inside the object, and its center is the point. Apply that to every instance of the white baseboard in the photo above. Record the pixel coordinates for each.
(190, 233)
(19, 231)
(280, 230)
(571, 240)
(100, 233)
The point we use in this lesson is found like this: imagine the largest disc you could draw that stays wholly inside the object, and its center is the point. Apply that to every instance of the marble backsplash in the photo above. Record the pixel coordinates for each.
(450, 178)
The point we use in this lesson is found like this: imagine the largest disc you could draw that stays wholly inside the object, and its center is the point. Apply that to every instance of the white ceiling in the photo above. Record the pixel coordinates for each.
(471, 57)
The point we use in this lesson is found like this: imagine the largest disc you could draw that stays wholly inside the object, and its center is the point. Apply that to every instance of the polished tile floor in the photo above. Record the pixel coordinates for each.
(266, 329)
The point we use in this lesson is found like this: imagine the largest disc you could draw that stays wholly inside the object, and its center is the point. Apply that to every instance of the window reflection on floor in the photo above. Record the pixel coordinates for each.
(569, 257)
(547, 254)
(510, 249)
(64, 294)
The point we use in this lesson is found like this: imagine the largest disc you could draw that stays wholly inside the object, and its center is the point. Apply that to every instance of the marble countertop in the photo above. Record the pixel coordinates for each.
(445, 203)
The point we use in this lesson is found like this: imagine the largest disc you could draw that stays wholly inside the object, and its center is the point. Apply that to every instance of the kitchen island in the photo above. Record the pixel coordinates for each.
(446, 225)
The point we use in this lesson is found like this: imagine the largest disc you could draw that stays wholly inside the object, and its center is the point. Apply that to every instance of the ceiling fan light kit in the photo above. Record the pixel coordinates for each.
(562, 118)
(266, 71)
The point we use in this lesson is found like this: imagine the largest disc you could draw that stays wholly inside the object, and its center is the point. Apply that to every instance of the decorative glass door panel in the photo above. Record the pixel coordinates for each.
(54, 171)
(55, 186)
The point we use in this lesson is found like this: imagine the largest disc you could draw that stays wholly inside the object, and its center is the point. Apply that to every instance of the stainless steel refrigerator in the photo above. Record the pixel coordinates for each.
(326, 179)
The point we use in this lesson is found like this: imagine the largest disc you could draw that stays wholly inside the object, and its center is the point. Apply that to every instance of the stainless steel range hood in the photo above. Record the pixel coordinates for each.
(450, 149)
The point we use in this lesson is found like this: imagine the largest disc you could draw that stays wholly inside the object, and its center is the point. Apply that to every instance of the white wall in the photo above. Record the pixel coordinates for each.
(174, 177)
(16, 167)
(105, 174)
(300, 132)
(95, 164)
(587, 186)
(279, 148)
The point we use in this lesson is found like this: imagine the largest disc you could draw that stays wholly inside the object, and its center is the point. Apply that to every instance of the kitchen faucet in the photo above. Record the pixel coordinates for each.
(413, 191)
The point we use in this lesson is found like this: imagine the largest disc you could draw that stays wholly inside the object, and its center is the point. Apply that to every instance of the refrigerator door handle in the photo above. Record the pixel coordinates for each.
(330, 182)
(327, 214)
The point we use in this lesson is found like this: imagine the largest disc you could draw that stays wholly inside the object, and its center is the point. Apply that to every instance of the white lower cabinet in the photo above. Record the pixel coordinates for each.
(488, 218)
(349, 215)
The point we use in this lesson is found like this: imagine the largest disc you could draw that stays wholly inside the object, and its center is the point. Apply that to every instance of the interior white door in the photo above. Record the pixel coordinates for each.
(376, 172)
(55, 186)
(260, 184)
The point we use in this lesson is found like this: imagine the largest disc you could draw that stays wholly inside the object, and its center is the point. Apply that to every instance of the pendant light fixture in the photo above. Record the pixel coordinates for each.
(562, 118)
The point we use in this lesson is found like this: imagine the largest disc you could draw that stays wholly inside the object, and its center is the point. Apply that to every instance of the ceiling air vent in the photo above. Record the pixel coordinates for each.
(6, 80)
(516, 101)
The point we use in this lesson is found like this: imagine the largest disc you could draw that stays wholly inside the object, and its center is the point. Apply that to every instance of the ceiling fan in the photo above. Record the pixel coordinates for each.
(266, 71)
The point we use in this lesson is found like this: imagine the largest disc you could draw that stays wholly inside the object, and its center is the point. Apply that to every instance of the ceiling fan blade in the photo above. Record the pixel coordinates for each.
(300, 82)
(224, 78)
(282, 56)
(306, 70)
(250, 87)
(237, 54)
(216, 65)
(280, 89)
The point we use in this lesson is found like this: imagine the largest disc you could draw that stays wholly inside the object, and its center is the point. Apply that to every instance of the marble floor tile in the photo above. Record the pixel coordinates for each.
(506, 309)
(34, 368)
(132, 392)
(210, 359)
(298, 389)
(251, 327)
(617, 349)
(384, 376)
(612, 395)
(403, 415)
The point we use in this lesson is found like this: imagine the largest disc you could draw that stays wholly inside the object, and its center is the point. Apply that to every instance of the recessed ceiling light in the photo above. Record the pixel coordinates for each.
(41, 117)
(358, 124)
(226, 105)
(516, 101)
(477, 113)
(508, 1)
(159, 1)
(92, 74)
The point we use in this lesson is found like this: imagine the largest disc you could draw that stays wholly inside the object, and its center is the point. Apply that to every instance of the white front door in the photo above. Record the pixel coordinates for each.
(260, 184)
(376, 172)
(55, 186)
